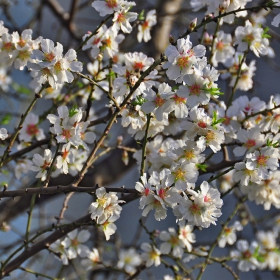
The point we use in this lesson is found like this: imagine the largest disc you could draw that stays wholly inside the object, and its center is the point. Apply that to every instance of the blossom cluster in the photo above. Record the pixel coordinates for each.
(173, 110)
(106, 210)
(70, 131)
(45, 61)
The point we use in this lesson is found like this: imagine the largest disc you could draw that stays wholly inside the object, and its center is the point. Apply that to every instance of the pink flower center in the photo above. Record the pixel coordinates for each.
(32, 129)
(247, 108)
(138, 65)
(226, 121)
(45, 165)
(66, 133)
(184, 233)
(159, 101)
(74, 242)
(111, 3)
(220, 46)
(249, 38)
(145, 25)
(107, 42)
(7, 46)
(146, 192)
(250, 143)
(207, 198)
(183, 62)
(179, 100)
(228, 231)
(49, 57)
(195, 89)
(277, 118)
(247, 254)
(96, 40)
(121, 18)
(202, 124)
(65, 154)
(21, 43)
(261, 160)
(195, 209)
(161, 193)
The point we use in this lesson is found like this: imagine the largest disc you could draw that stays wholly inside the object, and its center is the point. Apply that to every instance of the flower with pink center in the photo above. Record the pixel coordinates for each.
(182, 58)
(30, 129)
(245, 255)
(203, 208)
(42, 164)
(262, 160)
(222, 48)
(144, 28)
(107, 7)
(186, 235)
(158, 103)
(229, 234)
(122, 20)
(195, 90)
(252, 139)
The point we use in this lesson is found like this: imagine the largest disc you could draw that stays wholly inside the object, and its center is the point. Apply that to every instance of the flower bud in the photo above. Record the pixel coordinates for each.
(192, 25)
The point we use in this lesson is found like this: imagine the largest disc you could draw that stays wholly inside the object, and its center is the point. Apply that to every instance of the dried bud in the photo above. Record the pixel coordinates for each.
(171, 39)
(125, 157)
(207, 39)
(100, 57)
(5, 227)
(119, 140)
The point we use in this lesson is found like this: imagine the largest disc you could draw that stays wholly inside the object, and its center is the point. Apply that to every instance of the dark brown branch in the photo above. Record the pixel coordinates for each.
(60, 189)
(44, 244)
(22, 152)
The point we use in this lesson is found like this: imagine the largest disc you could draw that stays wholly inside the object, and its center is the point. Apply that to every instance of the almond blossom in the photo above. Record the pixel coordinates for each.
(42, 164)
(30, 129)
(144, 28)
(182, 58)
(3, 133)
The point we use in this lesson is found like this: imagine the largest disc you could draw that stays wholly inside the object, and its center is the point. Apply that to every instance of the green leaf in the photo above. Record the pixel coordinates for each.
(111, 74)
(6, 119)
(261, 258)
(202, 167)
(139, 101)
(73, 111)
(141, 16)
(80, 84)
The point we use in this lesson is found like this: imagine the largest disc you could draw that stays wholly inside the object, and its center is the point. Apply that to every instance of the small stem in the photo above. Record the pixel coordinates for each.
(204, 265)
(28, 225)
(51, 166)
(144, 145)
(213, 41)
(94, 32)
(220, 174)
(237, 77)
(23, 117)
(37, 273)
